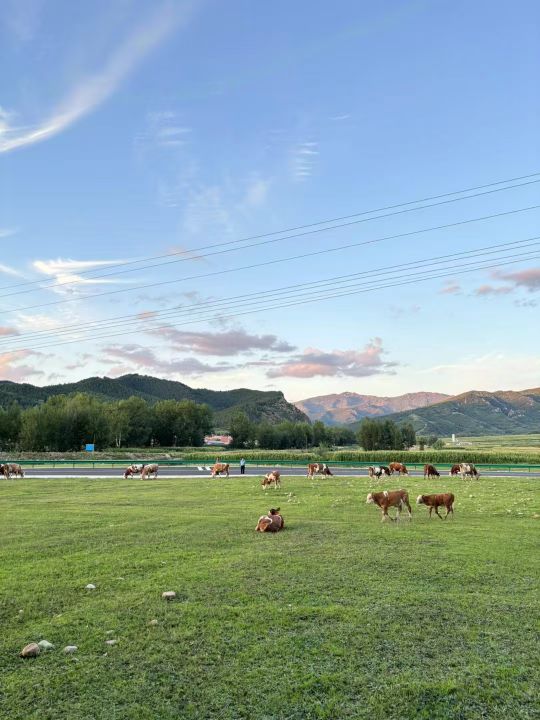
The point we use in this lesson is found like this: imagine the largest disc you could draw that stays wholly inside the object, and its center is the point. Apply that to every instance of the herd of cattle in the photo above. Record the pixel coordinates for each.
(273, 521)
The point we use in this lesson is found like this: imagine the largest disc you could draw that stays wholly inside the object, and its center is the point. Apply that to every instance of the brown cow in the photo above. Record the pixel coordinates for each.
(271, 478)
(430, 471)
(454, 470)
(273, 522)
(4, 471)
(390, 498)
(435, 501)
(219, 468)
(315, 468)
(399, 468)
(16, 469)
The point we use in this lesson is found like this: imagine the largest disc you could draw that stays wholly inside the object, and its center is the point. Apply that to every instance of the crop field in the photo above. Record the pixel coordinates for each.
(338, 616)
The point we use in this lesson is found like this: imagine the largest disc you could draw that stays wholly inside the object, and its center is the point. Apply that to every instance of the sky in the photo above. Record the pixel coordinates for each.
(188, 136)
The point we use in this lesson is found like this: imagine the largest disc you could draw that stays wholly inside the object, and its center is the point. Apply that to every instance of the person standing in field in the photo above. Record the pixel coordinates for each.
(242, 467)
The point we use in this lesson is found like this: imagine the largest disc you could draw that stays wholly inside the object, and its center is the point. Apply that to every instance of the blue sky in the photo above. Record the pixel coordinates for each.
(133, 129)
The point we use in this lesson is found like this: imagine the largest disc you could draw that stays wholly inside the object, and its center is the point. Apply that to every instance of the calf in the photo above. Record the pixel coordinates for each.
(271, 478)
(430, 471)
(390, 498)
(433, 502)
(273, 522)
(399, 468)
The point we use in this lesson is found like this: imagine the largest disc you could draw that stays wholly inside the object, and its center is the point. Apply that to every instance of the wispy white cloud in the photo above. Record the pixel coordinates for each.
(93, 90)
(65, 272)
(303, 160)
(8, 270)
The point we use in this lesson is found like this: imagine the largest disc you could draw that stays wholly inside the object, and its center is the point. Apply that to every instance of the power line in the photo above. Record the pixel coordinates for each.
(273, 262)
(189, 253)
(315, 297)
(134, 318)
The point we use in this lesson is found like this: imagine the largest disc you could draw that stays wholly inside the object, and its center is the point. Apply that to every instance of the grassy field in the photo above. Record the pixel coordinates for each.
(498, 443)
(339, 616)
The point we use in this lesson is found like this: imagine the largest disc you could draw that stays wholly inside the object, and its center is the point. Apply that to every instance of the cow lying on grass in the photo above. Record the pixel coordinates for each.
(271, 478)
(433, 502)
(273, 522)
(390, 498)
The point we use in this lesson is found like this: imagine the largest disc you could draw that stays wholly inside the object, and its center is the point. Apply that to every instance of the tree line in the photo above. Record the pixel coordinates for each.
(68, 422)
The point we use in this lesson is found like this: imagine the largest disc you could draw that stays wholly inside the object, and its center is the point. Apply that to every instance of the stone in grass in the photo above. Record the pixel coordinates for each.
(70, 649)
(30, 650)
(168, 595)
(153, 622)
(45, 645)
(111, 642)
(90, 586)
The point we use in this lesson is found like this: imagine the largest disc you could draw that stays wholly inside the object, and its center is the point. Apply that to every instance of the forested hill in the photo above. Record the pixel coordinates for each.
(478, 413)
(268, 406)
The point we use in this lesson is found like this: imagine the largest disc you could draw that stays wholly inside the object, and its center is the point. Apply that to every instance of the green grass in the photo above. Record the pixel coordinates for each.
(339, 616)
(500, 443)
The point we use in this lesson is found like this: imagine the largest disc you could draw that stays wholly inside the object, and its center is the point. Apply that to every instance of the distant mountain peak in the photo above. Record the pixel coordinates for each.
(348, 407)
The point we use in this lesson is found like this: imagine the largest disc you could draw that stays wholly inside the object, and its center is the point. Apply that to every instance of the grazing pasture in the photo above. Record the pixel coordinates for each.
(338, 616)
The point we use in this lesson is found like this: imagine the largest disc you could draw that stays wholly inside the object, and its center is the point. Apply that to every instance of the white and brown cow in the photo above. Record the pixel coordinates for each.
(10, 469)
(133, 470)
(273, 522)
(390, 498)
(399, 468)
(318, 469)
(433, 502)
(468, 470)
(271, 478)
(378, 471)
(220, 468)
(148, 470)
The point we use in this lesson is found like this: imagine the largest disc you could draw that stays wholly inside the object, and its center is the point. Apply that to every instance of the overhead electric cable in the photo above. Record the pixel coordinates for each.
(272, 262)
(189, 253)
(285, 302)
(142, 317)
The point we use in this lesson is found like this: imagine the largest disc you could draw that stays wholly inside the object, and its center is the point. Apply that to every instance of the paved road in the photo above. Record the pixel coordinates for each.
(178, 472)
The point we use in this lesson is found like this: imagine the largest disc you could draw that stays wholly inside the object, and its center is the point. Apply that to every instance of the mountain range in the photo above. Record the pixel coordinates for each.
(348, 407)
(269, 406)
(477, 412)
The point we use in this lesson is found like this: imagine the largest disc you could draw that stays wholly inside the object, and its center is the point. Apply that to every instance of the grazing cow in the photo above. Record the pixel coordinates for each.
(271, 478)
(133, 470)
(4, 470)
(317, 468)
(377, 471)
(468, 469)
(454, 470)
(399, 468)
(220, 468)
(390, 498)
(15, 469)
(148, 470)
(273, 522)
(430, 471)
(433, 502)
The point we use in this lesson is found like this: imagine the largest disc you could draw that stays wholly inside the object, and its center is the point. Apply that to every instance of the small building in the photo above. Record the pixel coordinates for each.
(221, 440)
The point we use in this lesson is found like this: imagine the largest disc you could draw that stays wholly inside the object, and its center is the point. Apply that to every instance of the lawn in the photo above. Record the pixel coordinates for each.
(339, 616)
